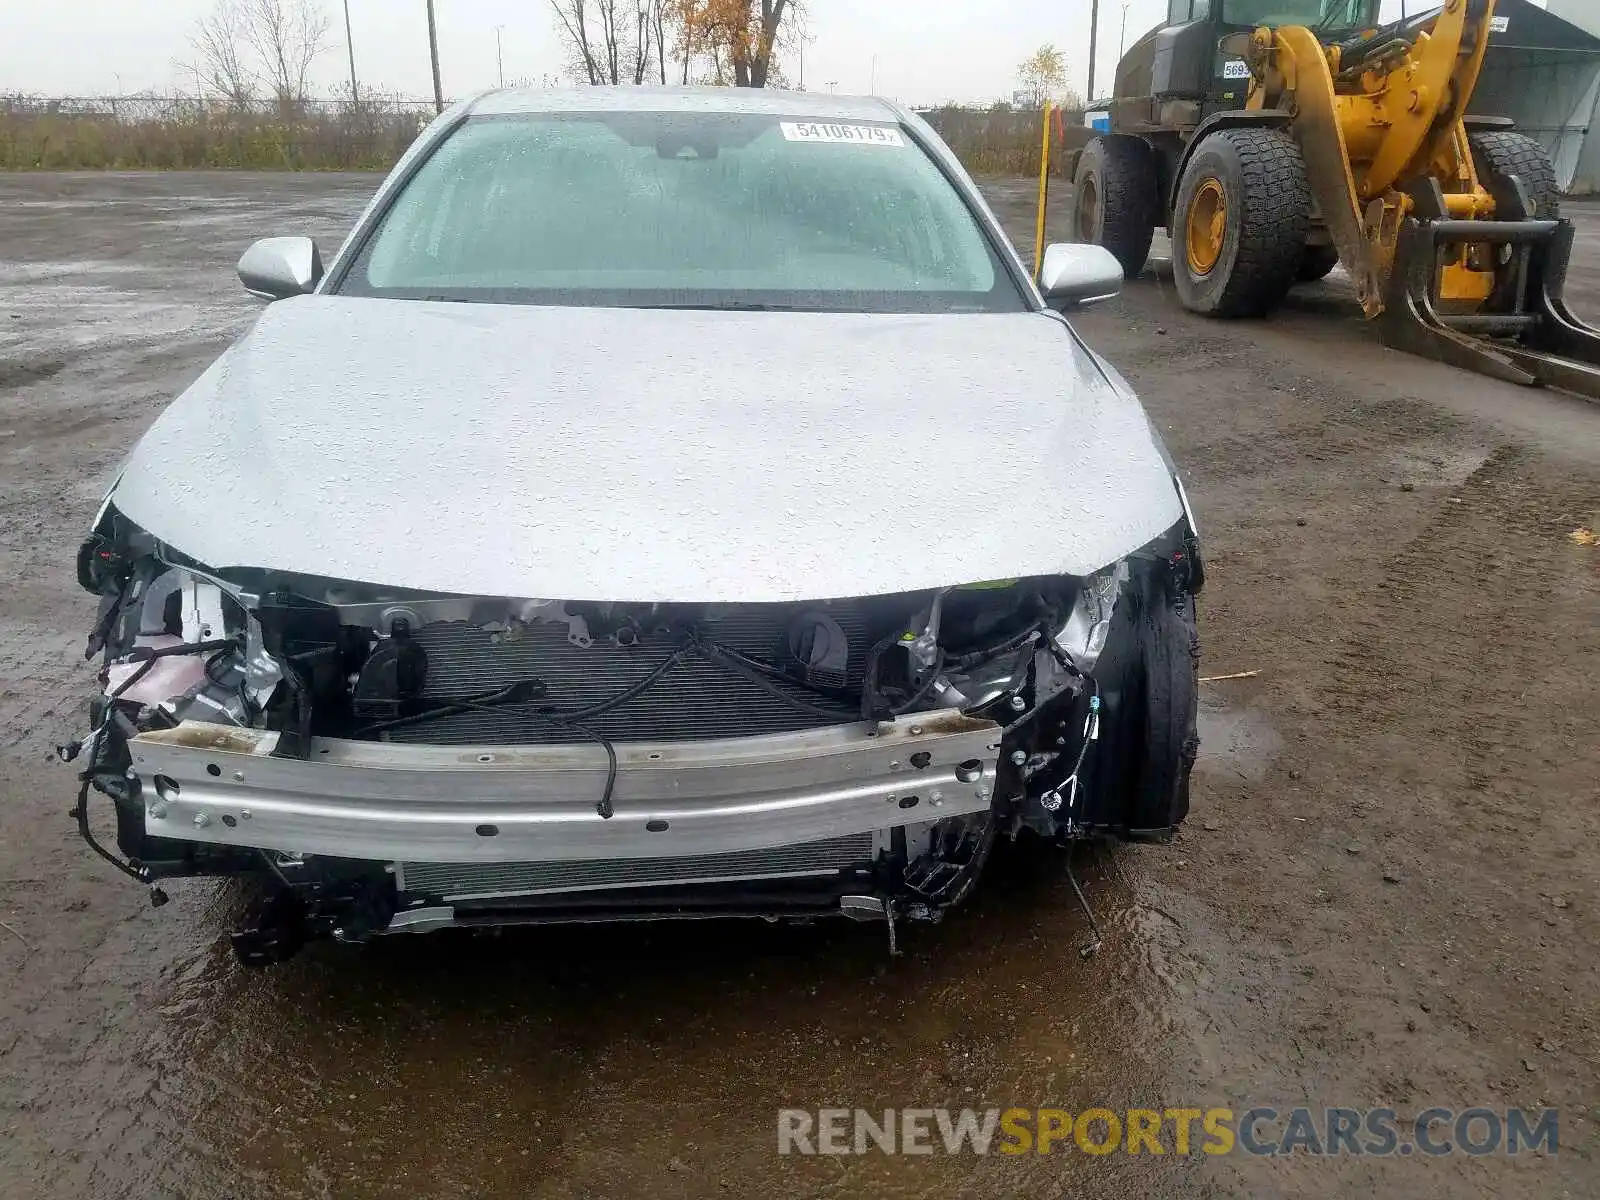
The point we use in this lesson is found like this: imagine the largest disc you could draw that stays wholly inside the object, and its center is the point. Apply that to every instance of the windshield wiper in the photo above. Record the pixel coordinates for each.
(1340, 16)
(724, 306)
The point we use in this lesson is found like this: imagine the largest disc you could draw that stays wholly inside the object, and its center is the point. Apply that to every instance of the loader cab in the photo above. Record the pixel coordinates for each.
(1177, 74)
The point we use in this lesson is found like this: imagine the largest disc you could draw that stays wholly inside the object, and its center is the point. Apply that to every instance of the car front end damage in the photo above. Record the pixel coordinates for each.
(386, 760)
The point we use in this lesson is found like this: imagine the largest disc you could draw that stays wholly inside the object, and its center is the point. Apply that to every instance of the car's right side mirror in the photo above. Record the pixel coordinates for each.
(277, 267)
(1074, 275)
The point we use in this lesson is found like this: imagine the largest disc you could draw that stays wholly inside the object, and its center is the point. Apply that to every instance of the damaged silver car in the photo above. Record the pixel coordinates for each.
(666, 504)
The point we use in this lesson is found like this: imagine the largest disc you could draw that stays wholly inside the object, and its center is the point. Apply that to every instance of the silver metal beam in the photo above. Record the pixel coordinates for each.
(387, 802)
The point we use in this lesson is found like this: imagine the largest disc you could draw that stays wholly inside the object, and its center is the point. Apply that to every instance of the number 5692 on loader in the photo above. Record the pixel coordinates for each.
(1276, 138)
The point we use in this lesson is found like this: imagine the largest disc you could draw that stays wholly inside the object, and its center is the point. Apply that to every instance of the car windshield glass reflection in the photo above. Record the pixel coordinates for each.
(713, 210)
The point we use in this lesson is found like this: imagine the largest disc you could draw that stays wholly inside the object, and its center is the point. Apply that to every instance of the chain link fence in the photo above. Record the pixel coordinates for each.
(1000, 141)
(168, 132)
(173, 132)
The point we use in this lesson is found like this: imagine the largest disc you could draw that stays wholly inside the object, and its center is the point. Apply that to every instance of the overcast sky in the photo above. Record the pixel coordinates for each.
(926, 50)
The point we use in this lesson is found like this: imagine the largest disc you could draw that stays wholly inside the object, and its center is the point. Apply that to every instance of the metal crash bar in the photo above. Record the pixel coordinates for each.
(386, 801)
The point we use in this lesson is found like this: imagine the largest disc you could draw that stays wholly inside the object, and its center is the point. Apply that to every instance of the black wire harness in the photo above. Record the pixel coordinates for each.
(146, 657)
(530, 695)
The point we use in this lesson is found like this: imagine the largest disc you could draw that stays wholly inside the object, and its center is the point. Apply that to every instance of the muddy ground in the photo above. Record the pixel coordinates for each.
(1389, 551)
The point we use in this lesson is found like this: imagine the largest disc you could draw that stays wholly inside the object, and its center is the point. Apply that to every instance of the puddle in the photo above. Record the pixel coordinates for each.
(1237, 742)
(1438, 466)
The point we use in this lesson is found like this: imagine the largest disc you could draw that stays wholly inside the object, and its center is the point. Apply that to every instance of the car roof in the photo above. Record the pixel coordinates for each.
(823, 106)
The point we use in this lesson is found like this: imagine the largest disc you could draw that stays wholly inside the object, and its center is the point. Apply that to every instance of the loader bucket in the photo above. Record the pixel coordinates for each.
(1525, 333)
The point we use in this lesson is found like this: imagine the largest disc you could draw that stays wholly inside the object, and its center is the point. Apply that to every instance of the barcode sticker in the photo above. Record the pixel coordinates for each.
(820, 131)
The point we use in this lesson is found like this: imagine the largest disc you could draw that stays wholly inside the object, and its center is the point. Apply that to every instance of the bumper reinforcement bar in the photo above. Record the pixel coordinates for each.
(400, 802)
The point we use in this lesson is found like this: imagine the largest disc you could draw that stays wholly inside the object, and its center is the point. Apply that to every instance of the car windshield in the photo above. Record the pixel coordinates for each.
(676, 209)
(1321, 14)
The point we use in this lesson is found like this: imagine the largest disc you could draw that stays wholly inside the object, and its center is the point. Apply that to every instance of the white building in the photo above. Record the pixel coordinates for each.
(1585, 14)
(1543, 71)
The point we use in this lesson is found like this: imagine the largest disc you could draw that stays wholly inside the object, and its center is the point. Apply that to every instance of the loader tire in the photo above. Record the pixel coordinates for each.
(1316, 262)
(1117, 195)
(1499, 154)
(1240, 222)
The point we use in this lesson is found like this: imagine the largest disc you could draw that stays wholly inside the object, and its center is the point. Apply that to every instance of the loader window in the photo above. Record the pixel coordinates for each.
(1320, 14)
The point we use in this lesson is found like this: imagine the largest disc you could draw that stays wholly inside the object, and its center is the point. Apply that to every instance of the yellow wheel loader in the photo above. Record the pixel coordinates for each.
(1276, 138)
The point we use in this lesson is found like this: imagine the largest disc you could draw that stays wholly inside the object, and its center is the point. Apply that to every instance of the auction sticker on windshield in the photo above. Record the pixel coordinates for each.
(817, 131)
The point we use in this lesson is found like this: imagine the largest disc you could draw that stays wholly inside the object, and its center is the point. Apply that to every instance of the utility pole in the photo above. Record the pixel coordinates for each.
(1094, 44)
(872, 88)
(1122, 38)
(500, 53)
(350, 47)
(433, 52)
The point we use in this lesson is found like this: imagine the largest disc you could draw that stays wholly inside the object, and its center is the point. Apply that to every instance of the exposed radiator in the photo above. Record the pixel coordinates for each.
(484, 881)
(695, 700)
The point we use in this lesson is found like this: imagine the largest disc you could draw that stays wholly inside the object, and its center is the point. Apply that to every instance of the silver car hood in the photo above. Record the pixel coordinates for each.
(650, 455)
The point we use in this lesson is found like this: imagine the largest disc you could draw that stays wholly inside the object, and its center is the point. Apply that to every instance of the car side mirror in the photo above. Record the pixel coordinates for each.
(1074, 275)
(277, 267)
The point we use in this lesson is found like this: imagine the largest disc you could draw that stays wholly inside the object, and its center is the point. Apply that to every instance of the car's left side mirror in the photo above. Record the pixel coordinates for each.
(1074, 275)
(277, 267)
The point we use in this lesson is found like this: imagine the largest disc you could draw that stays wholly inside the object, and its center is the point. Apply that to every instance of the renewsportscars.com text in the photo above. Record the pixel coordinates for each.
(1259, 1131)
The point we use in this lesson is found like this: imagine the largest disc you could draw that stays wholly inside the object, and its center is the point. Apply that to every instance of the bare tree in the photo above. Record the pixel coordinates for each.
(658, 33)
(609, 40)
(689, 40)
(221, 56)
(574, 18)
(641, 38)
(246, 47)
(287, 37)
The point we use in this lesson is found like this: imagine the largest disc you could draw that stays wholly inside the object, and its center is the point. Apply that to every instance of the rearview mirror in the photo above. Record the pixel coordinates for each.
(277, 267)
(1074, 275)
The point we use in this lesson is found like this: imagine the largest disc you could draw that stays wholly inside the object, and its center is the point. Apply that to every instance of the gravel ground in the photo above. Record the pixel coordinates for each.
(1388, 893)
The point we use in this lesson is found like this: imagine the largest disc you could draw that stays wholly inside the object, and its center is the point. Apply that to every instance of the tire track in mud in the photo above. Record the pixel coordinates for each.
(1428, 680)
(1504, 532)
(20, 372)
(44, 684)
